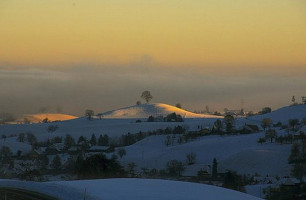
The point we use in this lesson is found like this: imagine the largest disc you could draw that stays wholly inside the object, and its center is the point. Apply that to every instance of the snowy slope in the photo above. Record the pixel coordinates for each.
(140, 189)
(134, 189)
(113, 127)
(155, 109)
(240, 153)
(283, 114)
(37, 118)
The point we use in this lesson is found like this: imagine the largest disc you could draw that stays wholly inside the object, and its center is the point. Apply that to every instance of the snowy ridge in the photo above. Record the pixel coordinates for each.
(129, 188)
(37, 118)
(283, 114)
(155, 109)
(149, 189)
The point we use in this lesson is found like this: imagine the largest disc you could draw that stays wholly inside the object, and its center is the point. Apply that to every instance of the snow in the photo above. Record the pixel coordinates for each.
(112, 127)
(283, 114)
(139, 189)
(134, 189)
(155, 110)
(15, 146)
(38, 118)
(257, 190)
(240, 153)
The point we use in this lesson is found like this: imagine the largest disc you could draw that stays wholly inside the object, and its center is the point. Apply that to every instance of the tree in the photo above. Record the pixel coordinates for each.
(218, 126)
(229, 122)
(5, 153)
(98, 166)
(146, 95)
(266, 123)
(265, 110)
(298, 159)
(82, 139)
(175, 168)
(293, 100)
(207, 109)
(103, 140)
(69, 141)
(271, 134)
(89, 114)
(232, 181)
(131, 169)
(43, 162)
(52, 128)
(21, 137)
(293, 123)
(31, 138)
(138, 103)
(151, 119)
(178, 105)
(214, 171)
(191, 158)
(93, 140)
(57, 139)
(261, 140)
(295, 154)
(121, 152)
(56, 163)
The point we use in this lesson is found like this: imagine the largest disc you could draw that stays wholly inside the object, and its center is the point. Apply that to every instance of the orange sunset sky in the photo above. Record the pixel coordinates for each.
(137, 43)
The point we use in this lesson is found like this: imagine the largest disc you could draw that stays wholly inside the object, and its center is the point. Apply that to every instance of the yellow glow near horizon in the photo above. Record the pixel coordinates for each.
(224, 32)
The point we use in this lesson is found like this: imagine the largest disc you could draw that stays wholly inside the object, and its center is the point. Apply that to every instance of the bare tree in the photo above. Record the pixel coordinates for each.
(89, 114)
(178, 105)
(146, 95)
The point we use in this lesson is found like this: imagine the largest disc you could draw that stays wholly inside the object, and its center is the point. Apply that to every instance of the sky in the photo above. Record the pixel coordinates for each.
(102, 54)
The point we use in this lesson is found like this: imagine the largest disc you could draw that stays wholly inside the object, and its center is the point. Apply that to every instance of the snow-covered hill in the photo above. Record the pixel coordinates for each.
(240, 153)
(136, 189)
(38, 118)
(283, 114)
(155, 109)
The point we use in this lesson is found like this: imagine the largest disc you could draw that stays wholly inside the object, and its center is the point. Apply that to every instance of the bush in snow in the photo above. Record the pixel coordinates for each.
(191, 158)
(175, 168)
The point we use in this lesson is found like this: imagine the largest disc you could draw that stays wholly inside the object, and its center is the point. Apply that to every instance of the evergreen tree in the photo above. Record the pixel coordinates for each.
(229, 123)
(298, 159)
(93, 140)
(121, 152)
(218, 126)
(56, 163)
(106, 140)
(44, 162)
(69, 141)
(81, 139)
(214, 172)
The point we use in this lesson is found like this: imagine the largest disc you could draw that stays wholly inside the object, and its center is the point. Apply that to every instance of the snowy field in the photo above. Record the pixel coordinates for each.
(240, 153)
(130, 189)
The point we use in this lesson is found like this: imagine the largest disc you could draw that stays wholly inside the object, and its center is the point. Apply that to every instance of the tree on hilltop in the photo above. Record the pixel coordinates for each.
(146, 95)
